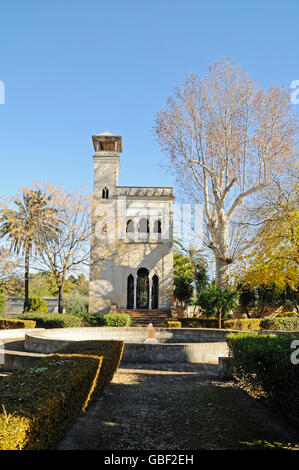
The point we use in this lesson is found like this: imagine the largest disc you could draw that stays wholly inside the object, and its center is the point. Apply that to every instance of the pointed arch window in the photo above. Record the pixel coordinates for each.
(143, 226)
(155, 292)
(130, 291)
(157, 226)
(130, 226)
(105, 193)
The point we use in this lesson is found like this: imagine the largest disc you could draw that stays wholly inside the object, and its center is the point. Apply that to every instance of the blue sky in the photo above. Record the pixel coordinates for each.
(73, 68)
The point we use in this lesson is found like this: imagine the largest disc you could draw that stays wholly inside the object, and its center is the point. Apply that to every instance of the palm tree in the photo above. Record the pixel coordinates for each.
(27, 227)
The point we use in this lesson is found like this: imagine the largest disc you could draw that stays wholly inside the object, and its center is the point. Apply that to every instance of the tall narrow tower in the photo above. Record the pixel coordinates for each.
(106, 164)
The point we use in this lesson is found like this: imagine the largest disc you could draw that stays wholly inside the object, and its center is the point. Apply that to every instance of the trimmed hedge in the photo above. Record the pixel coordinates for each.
(89, 319)
(12, 324)
(173, 324)
(280, 323)
(110, 350)
(199, 322)
(53, 320)
(38, 405)
(106, 319)
(263, 366)
(244, 324)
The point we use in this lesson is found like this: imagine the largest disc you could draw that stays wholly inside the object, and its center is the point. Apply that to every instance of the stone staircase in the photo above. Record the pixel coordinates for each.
(144, 317)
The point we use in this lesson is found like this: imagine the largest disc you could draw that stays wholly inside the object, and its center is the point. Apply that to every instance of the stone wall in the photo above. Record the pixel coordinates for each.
(14, 305)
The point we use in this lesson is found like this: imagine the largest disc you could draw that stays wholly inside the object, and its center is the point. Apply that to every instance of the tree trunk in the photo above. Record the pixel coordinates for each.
(221, 272)
(60, 298)
(26, 301)
(219, 317)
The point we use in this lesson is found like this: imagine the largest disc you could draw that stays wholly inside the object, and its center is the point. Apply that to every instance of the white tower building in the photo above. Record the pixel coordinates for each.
(132, 241)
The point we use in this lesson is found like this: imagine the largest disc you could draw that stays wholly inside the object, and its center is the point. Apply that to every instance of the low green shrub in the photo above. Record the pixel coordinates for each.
(280, 323)
(173, 324)
(90, 319)
(263, 365)
(286, 314)
(12, 324)
(37, 304)
(38, 405)
(244, 324)
(75, 303)
(117, 319)
(199, 322)
(53, 320)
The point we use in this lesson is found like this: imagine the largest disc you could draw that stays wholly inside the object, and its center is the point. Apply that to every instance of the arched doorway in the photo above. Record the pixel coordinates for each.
(142, 300)
(155, 291)
(130, 292)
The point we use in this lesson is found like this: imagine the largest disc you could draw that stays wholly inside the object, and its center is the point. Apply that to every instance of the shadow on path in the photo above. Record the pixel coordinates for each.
(182, 407)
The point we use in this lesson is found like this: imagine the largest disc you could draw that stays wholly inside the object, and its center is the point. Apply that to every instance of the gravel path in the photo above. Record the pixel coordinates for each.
(161, 407)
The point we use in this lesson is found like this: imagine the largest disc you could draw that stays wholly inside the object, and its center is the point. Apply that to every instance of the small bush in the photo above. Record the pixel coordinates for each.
(117, 319)
(75, 303)
(36, 304)
(53, 320)
(38, 405)
(89, 319)
(173, 324)
(12, 324)
(263, 365)
(286, 314)
(280, 323)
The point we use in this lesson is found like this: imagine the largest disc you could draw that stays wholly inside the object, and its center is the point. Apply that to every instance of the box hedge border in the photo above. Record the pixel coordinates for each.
(243, 324)
(12, 324)
(39, 404)
(23, 426)
(53, 320)
(263, 365)
(110, 350)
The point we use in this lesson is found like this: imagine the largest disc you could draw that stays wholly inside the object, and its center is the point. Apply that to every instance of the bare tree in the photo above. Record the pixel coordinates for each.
(70, 249)
(226, 139)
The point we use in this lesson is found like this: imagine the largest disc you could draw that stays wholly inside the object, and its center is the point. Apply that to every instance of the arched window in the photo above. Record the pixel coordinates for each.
(143, 226)
(157, 226)
(130, 291)
(130, 226)
(155, 292)
(105, 193)
(142, 289)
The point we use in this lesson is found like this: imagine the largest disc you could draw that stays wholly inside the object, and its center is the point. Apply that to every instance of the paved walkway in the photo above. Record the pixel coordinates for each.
(160, 407)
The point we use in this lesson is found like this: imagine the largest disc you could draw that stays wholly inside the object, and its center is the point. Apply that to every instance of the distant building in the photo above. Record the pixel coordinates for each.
(132, 241)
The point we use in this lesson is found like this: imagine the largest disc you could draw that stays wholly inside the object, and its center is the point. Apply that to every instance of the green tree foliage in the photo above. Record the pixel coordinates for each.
(201, 278)
(75, 303)
(183, 288)
(28, 227)
(2, 301)
(36, 304)
(218, 302)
